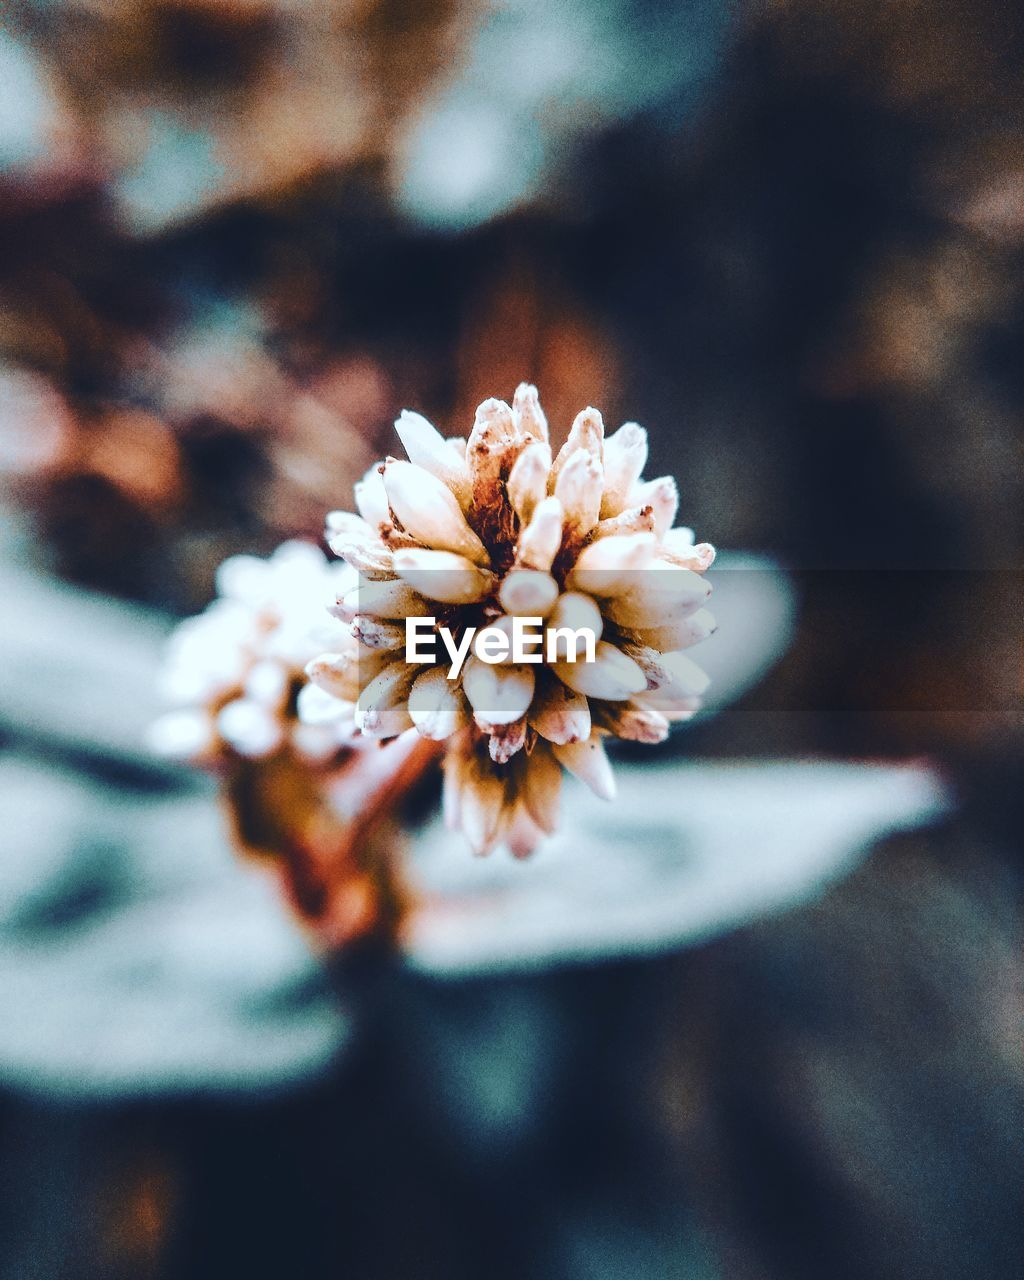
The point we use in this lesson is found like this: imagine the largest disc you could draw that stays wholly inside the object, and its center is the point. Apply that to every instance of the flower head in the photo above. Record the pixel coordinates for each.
(477, 533)
(235, 673)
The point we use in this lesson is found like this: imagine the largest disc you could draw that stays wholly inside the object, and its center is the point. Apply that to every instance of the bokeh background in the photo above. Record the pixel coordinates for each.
(236, 236)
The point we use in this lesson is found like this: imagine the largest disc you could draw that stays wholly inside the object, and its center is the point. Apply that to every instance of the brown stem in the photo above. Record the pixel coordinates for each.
(333, 835)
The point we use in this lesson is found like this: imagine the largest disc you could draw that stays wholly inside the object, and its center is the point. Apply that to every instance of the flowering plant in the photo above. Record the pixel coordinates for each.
(564, 595)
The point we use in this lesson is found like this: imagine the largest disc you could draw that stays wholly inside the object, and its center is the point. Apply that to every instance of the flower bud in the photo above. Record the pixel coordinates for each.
(343, 674)
(611, 565)
(376, 634)
(540, 540)
(611, 675)
(559, 714)
(634, 721)
(492, 443)
(372, 499)
(653, 599)
(662, 496)
(588, 762)
(393, 598)
(578, 613)
(587, 433)
(528, 414)
(381, 700)
(528, 593)
(443, 576)
(679, 633)
(429, 511)
(435, 705)
(678, 548)
(528, 481)
(350, 537)
(625, 456)
(497, 693)
(578, 488)
(505, 740)
(428, 449)
(632, 520)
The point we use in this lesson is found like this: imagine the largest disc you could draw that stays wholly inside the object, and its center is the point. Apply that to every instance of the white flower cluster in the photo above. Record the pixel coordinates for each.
(235, 673)
(485, 530)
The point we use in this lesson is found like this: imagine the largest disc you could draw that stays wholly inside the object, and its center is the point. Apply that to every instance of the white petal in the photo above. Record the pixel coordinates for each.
(350, 537)
(662, 496)
(648, 659)
(578, 488)
(388, 690)
(428, 449)
(579, 613)
(611, 676)
(678, 633)
(528, 481)
(523, 835)
(625, 456)
(342, 675)
(498, 693)
(587, 433)
(371, 498)
(451, 790)
(428, 511)
(660, 595)
(267, 683)
(529, 416)
(482, 798)
(540, 540)
(443, 576)
(492, 440)
(588, 762)
(678, 548)
(528, 593)
(632, 520)
(394, 598)
(560, 714)
(611, 566)
(436, 705)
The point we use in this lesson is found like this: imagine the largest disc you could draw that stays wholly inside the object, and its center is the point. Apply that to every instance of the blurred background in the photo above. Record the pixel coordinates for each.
(236, 236)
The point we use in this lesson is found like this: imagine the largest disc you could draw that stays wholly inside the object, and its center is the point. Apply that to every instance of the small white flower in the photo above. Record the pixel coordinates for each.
(235, 673)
